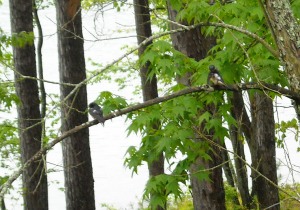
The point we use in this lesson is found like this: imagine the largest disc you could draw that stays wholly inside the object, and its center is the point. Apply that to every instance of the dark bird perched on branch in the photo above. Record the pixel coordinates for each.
(214, 77)
(96, 112)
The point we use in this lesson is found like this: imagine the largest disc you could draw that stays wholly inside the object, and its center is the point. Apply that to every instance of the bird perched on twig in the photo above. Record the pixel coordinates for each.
(214, 77)
(96, 112)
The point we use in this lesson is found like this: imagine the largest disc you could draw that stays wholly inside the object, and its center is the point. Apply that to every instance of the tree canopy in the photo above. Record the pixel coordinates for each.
(256, 49)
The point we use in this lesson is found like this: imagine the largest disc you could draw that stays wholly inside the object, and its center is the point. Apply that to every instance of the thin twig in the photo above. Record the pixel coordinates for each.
(204, 88)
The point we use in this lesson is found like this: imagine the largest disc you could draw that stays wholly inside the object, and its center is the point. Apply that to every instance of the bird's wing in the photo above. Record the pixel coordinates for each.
(97, 114)
(218, 77)
(97, 111)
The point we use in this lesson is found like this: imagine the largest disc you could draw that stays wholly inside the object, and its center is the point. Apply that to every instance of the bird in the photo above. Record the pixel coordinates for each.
(96, 112)
(214, 77)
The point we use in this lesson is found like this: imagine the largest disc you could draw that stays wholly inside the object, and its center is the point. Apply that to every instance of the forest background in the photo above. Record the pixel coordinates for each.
(184, 130)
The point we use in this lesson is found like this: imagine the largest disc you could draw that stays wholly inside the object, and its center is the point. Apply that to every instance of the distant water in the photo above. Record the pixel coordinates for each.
(114, 184)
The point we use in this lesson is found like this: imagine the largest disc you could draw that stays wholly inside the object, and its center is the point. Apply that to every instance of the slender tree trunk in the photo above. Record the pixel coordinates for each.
(206, 194)
(29, 117)
(229, 171)
(236, 133)
(3, 205)
(227, 168)
(263, 151)
(40, 71)
(79, 183)
(149, 87)
(241, 170)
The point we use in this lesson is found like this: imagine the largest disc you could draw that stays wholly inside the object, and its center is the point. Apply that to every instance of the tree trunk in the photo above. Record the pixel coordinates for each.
(243, 127)
(227, 167)
(229, 172)
(263, 152)
(79, 182)
(241, 170)
(29, 117)
(149, 87)
(286, 32)
(206, 194)
(3, 205)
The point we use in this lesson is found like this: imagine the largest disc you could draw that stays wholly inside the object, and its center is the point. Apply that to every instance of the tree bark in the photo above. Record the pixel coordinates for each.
(286, 32)
(263, 151)
(29, 118)
(3, 205)
(227, 167)
(149, 86)
(229, 171)
(206, 194)
(79, 182)
(243, 127)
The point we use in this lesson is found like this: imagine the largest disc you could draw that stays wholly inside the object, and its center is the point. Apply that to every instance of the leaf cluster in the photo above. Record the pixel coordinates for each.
(111, 102)
(102, 4)
(22, 39)
(283, 128)
(168, 128)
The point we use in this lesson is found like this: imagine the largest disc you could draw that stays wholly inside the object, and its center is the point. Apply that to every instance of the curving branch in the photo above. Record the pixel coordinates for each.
(228, 26)
(43, 98)
(205, 88)
(156, 36)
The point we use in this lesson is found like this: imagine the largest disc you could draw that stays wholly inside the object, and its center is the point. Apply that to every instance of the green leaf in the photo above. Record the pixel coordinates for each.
(204, 117)
(201, 175)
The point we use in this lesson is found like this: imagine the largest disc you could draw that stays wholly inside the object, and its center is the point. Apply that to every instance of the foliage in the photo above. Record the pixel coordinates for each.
(88, 4)
(122, 73)
(230, 196)
(184, 203)
(7, 96)
(288, 202)
(22, 39)
(282, 130)
(239, 58)
(111, 102)
(9, 142)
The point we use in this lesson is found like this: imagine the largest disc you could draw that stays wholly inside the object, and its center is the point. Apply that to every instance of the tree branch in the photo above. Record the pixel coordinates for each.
(224, 25)
(204, 88)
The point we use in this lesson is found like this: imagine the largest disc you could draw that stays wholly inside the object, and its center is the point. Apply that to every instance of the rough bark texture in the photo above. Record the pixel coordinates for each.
(241, 170)
(210, 194)
(287, 36)
(227, 168)
(206, 195)
(29, 118)
(286, 32)
(241, 117)
(149, 87)
(229, 172)
(79, 183)
(263, 152)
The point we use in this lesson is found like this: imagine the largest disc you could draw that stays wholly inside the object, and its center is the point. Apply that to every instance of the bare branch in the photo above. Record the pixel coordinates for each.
(205, 88)
(250, 166)
(224, 25)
